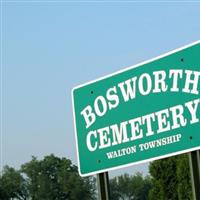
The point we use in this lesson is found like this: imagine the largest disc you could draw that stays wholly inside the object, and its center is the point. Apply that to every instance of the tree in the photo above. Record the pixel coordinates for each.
(12, 185)
(54, 178)
(141, 186)
(184, 179)
(126, 187)
(171, 179)
(115, 192)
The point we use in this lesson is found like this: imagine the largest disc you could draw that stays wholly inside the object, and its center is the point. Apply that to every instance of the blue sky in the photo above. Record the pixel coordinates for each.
(50, 47)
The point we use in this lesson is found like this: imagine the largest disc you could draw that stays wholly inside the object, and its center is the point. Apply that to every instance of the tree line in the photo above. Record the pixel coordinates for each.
(54, 178)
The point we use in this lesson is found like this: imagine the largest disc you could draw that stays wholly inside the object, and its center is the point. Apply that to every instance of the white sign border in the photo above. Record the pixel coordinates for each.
(110, 75)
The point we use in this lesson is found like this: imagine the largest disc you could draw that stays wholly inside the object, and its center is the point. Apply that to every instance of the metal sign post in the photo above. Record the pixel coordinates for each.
(194, 160)
(103, 186)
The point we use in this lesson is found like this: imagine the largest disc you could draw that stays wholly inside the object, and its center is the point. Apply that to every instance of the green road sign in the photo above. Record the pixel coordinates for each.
(145, 112)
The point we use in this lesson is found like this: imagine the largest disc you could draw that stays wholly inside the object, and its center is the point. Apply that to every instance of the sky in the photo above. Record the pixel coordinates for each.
(48, 47)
